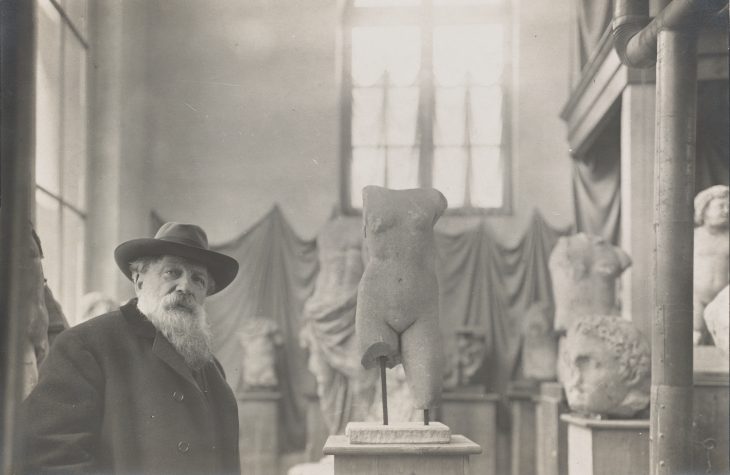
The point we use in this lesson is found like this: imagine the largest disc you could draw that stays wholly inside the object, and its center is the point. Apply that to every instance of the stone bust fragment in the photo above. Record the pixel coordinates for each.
(539, 344)
(583, 269)
(467, 359)
(711, 253)
(259, 337)
(716, 319)
(607, 367)
(397, 306)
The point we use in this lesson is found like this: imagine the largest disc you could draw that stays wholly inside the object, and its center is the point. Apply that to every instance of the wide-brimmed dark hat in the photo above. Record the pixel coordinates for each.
(182, 240)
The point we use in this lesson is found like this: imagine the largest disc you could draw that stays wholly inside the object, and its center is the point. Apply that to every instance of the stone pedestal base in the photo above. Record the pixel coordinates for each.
(258, 421)
(711, 423)
(450, 458)
(521, 396)
(474, 415)
(551, 449)
(607, 447)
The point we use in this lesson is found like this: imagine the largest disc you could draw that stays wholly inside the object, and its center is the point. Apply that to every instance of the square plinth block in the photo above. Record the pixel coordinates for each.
(607, 447)
(451, 458)
(475, 416)
(397, 433)
(258, 419)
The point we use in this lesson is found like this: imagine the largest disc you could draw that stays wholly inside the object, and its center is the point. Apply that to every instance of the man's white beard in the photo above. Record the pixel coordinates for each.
(183, 322)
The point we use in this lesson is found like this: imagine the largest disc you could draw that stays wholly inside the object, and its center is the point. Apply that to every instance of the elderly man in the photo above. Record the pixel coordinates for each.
(137, 390)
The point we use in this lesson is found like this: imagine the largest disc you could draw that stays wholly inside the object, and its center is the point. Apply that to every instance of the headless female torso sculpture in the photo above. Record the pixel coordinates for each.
(397, 305)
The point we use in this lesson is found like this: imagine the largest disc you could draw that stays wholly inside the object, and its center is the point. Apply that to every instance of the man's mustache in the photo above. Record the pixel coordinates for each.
(177, 299)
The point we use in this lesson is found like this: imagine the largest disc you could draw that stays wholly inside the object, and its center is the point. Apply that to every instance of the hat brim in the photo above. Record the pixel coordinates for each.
(223, 268)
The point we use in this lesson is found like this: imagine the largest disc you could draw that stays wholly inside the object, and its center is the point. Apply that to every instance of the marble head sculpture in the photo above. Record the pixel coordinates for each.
(584, 269)
(711, 253)
(608, 367)
(397, 306)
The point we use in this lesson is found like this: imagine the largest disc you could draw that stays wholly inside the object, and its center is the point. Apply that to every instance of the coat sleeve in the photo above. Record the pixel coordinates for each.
(63, 412)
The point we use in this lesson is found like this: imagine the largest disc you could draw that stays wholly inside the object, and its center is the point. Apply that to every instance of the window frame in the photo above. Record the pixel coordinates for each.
(427, 16)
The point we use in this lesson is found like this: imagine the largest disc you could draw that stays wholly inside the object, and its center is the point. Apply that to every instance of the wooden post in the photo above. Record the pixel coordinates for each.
(17, 152)
(671, 389)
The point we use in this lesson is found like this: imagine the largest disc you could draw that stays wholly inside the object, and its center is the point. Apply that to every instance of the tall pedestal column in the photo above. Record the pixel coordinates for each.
(521, 396)
(551, 446)
(258, 420)
(607, 447)
(474, 415)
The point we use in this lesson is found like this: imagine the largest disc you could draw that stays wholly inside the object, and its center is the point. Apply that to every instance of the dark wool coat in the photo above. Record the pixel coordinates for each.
(115, 397)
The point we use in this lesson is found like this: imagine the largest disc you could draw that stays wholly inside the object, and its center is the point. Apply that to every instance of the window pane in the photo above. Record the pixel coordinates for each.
(467, 54)
(467, 2)
(73, 268)
(367, 116)
(402, 115)
(377, 50)
(48, 94)
(385, 3)
(368, 168)
(486, 115)
(402, 168)
(48, 227)
(486, 179)
(78, 12)
(74, 122)
(449, 116)
(449, 174)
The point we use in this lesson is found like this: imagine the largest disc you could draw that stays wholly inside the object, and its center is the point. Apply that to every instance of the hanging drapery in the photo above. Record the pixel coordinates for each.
(713, 140)
(597, 186)
(483, 283)
(277, 270)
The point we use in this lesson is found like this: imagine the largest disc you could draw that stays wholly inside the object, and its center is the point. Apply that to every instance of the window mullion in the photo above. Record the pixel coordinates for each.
(426, 109)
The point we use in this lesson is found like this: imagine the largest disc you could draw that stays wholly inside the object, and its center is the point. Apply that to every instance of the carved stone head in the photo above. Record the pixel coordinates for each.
(607, 367)
(711, 206)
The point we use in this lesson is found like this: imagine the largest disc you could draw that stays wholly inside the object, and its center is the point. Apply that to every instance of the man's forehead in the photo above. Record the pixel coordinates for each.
(175, 260)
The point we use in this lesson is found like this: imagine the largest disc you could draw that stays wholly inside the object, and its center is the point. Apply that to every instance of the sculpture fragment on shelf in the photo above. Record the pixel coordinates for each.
(467, 359)
(259, 338)
(711, 254)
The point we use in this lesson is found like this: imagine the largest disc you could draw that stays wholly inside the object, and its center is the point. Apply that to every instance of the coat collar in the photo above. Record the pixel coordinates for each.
(161, 347)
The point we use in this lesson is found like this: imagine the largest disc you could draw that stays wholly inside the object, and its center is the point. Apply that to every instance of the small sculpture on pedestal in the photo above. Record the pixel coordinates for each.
(584, 269)
(711, 253)
(259, 338)
(397, 316)
(607, 367)
(539, 344)
(467, 359)
(716, 319)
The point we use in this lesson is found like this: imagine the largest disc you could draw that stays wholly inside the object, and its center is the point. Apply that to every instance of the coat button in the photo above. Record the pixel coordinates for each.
(183, 446)
(178, 396)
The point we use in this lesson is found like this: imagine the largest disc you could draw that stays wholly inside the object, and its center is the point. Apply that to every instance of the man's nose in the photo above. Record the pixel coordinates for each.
(184, 284)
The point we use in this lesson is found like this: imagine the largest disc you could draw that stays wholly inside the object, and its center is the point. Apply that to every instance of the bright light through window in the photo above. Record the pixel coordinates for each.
(427, 105)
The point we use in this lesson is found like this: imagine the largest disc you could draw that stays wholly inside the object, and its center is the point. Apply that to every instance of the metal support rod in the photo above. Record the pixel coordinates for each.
(671, 391)
(17, 151)
(384, 388)
(426, 418)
